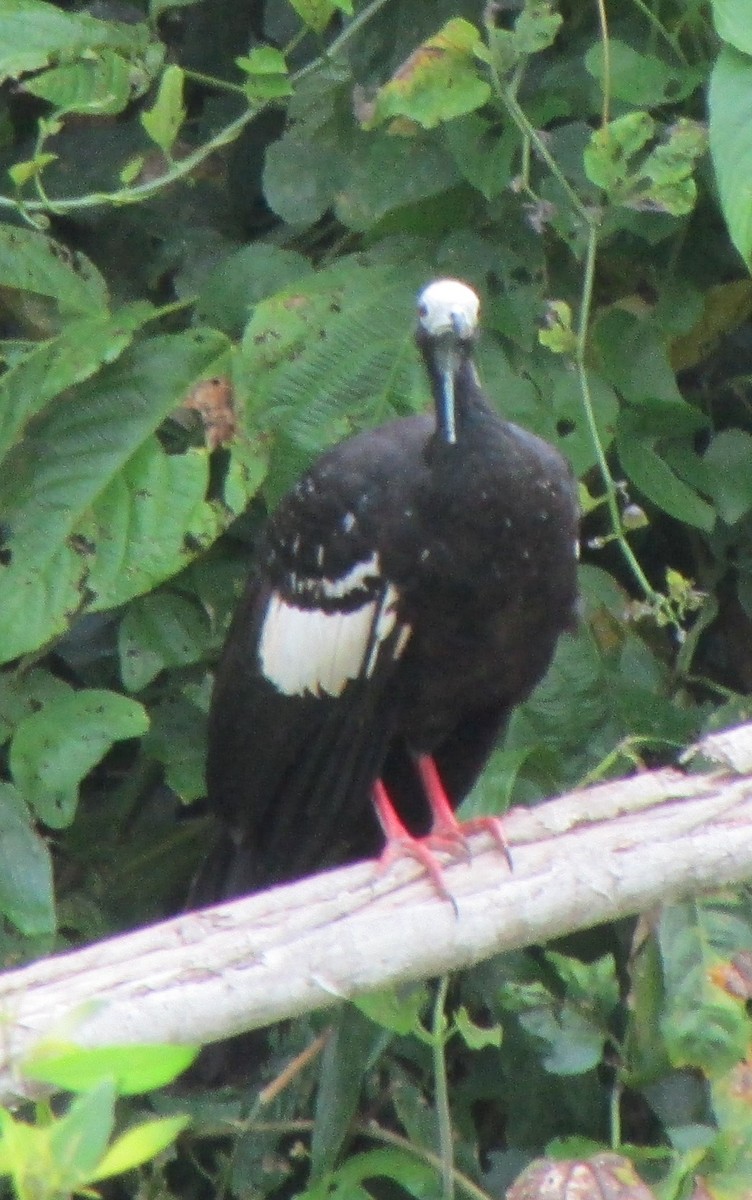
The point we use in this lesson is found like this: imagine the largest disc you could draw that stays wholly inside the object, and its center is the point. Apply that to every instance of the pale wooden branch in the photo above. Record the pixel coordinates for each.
(587, 857)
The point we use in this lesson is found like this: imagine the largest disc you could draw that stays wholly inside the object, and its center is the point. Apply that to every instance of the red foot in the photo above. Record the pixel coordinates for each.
(447, 833)
(445, 824)
(399, 841)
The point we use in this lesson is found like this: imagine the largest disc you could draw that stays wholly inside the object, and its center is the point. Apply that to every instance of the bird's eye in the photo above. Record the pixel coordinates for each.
(422, 309)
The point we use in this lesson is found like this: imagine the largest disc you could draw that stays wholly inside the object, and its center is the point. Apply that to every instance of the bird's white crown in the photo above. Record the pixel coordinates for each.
(448, 306)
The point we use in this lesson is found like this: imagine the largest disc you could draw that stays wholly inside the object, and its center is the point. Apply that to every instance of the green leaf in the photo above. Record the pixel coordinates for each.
(138, 1145)
(343, 1067)
(608, 153)
(406, 1170)
(484, 153)
(646, 1055)
(731, 19)
(267, 73)
(32, 262)
(387, 174)
(642, 80)
(26, 891)
(399, 1011)
(56, 365)
(153, 518)
(160, 630)
(730, 104)
(317, 14)
(25, 1156)
(439, 81)
(634, 359)
(575, 438)
(177, 738)
(25, 692)
(22, 173)
(536, 27)
(242, 279)
(34, 34)
(78, 1140)
(131, 1069)
(58, 562)
(328, 355)
(304, 167)
(575, 1044)
(729, 479)
(164, 120)
(95, 86)
(475, 1037)
(668, 169)
(703, 1025)
(655, 479)
(54, 749)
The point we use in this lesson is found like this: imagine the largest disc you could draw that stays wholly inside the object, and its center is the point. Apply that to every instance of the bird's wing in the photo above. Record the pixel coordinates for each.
(299, 727)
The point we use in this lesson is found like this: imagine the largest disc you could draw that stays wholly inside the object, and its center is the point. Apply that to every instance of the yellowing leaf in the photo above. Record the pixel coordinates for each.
(439, 81)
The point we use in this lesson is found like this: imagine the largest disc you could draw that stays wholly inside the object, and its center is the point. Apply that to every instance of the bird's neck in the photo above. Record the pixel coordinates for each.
(469, 401)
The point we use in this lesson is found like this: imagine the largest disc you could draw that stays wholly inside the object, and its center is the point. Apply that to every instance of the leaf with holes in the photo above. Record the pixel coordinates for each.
(54, 749)
(56, 564)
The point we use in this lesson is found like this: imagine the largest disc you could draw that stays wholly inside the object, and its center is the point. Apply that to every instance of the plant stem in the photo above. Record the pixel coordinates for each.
(443, 1113)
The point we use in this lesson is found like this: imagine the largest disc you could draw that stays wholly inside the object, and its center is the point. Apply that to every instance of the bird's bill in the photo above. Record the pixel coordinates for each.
(446, 410)
(446, 363)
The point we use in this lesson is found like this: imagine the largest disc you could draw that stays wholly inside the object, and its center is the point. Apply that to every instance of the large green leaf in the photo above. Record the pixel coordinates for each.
(330, 354)
(95, 86)
(703, 1025)
(242, 279)
(648, 471)
(158, 631)
(345, 1061)
(56, 365)
(33, 34)
(33, 262)
(732, 23)
(727, 460)
(53, 749)
(730, 104)
(26, 892)
(133, 1069)
(638, 78)
(85, 493)
(150, 520)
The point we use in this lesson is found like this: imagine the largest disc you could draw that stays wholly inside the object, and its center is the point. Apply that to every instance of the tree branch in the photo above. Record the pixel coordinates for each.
(588, 857)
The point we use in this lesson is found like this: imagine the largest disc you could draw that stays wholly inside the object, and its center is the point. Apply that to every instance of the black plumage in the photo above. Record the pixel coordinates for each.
(408, 593)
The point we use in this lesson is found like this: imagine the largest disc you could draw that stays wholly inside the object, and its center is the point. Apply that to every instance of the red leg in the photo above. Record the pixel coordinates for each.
(447, 833)
(399, 841)
(445, 826)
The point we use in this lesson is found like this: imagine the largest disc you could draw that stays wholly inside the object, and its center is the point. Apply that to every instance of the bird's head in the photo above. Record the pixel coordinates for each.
(447, 326)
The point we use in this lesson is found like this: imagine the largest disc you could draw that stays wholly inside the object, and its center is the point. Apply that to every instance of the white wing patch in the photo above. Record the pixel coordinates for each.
(308, 650)
(357, 577)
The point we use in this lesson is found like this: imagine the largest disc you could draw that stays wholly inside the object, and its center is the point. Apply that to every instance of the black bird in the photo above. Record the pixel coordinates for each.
(408, 593)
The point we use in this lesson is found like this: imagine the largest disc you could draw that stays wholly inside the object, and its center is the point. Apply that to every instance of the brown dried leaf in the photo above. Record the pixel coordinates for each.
(735, 977)
(212, 399)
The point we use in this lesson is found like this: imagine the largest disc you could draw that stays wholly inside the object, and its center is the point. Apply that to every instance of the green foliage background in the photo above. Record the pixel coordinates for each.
(243, 198)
